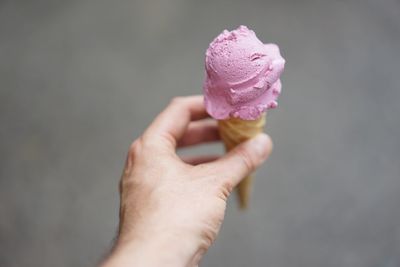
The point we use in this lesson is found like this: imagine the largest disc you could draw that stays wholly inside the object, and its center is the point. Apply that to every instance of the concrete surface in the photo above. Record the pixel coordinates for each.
(79, 80)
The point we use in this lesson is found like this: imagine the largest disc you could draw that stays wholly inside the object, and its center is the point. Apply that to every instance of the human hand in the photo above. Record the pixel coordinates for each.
(171, 209)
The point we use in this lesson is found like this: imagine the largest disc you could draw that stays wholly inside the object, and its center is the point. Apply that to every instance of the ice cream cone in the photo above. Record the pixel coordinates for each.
(233, 132)
(242, 82)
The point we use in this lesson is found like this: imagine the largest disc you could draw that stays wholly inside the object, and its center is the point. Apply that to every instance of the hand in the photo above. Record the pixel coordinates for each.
(171, 210)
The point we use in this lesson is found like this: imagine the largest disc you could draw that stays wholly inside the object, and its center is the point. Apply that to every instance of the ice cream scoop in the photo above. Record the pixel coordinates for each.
(242, 75)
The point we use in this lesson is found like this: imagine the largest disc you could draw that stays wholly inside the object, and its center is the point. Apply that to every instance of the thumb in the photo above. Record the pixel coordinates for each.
(244, 158)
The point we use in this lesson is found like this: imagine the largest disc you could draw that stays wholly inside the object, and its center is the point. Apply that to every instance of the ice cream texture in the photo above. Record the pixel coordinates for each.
(242, 75)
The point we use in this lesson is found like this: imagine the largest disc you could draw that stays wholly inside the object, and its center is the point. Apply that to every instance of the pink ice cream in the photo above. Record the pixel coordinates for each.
(242, 75)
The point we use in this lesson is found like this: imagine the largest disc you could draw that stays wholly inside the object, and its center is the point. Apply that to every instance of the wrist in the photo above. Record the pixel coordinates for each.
(165, 249)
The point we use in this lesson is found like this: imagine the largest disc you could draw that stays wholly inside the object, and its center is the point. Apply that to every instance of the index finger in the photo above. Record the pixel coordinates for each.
(172, 123)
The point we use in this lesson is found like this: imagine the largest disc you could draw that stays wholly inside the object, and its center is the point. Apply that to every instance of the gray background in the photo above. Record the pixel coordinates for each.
(79, 80)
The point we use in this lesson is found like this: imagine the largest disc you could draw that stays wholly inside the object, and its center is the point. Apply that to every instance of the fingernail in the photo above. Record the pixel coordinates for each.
(259, 144)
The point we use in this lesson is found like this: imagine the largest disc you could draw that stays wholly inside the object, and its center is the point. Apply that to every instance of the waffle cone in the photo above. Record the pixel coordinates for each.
(233, 132)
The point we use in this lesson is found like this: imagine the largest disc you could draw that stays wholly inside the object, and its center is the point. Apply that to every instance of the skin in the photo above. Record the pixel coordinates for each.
(171, 209)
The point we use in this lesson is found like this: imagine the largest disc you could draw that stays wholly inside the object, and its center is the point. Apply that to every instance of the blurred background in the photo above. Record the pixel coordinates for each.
(80, 80)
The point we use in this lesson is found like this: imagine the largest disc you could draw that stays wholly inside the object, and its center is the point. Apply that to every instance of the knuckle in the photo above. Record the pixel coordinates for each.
(125, 185)
(147, 143)
(134, 149)
(133, 153)
(209, 236)
(166, 138)
(226, 188)
(129, 184)
(223, 185)
(247, 160)
(228, 185)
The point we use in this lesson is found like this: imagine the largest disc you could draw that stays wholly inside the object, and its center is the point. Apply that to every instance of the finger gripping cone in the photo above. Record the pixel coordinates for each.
(233, 132)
